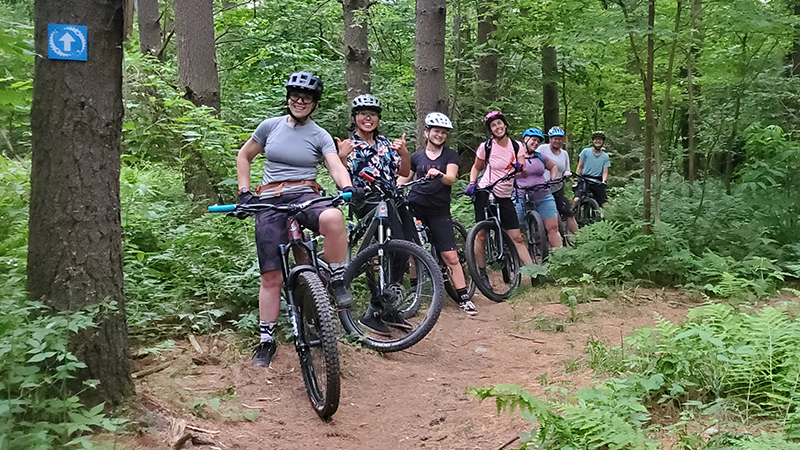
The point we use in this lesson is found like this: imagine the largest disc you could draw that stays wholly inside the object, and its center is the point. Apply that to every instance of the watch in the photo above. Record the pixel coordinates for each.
(243, 189)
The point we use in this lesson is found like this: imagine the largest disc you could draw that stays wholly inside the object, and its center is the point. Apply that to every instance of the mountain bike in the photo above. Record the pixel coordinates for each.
(586, 210)
(396, 279)
(538, 243)
(492, 258)
(460, 233)
(309, 307)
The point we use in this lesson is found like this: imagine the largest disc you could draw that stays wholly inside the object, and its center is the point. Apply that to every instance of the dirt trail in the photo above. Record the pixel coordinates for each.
(402, 400)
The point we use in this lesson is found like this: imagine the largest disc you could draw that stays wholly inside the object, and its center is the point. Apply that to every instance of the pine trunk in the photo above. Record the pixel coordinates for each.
(550, 87)
(356, 48)
(487, 62)
(149, 27)
(198, 77)
(429, 65)
(650, 125)
(75, 232)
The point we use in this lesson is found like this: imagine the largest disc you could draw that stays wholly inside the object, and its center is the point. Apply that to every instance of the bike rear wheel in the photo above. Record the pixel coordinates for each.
(501, 271)
(316, 344)
(538, 245)
(461, 243)
(400, 282)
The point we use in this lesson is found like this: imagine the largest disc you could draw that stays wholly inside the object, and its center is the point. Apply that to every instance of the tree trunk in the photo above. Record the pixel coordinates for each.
(197, 73)
(197, 57)
(356, 48)
(429, 81)
(795, 55)
(549, 87)
(650, 126)
(487, 62)
(695, 22)
(75, 231)
(460, 71)
(149, 27)
(664, 117)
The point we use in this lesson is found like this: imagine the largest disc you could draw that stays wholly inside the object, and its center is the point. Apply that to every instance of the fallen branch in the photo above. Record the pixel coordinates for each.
(201, 430)
(413, 353)
(509, 442)
(151, 370)
(195, 344)
(527, 338)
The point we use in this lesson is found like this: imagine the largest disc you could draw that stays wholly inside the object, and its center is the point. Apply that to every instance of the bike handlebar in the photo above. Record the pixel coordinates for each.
(253, 208)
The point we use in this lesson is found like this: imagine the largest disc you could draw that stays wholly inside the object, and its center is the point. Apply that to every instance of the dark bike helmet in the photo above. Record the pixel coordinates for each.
(437, 119)
(366, 101)
(598, 134)
(555, 131)
(533, 132)
(305, 82)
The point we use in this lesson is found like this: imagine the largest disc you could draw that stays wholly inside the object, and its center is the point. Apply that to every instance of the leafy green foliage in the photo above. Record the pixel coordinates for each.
(16, 81)
(720, 363)
(37, 410)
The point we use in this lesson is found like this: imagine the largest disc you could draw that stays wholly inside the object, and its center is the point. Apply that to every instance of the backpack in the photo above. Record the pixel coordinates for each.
(488, 147)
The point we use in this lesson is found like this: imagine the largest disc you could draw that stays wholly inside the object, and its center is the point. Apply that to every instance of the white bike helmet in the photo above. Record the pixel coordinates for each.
(437, 119)
(366, 101)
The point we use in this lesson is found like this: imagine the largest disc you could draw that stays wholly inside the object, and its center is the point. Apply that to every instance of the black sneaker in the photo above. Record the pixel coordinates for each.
(394, 319)
(340, 293)
(263, 353)
(372, 320)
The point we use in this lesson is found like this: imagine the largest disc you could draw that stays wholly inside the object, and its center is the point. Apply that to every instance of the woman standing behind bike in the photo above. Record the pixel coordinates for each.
(533, 174)
(555, 151)
(293, 146)
(431, 201)
(366, 150)
(502, 161)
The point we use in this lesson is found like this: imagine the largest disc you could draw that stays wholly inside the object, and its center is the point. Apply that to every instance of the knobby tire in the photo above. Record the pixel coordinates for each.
(538, 245)
(461, 242)
(508, 265)
(319, 355)
(419, 305)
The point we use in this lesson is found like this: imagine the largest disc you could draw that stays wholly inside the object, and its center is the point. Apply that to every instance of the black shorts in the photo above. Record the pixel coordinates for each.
(440, 228)
(563, 204)
(271, 227)
(508, 213)
(598, 191)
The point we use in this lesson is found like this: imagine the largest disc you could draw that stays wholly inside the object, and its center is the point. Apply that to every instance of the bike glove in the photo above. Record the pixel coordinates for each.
(470, 191)
(356, 192)
(518, 167)
(245, 198)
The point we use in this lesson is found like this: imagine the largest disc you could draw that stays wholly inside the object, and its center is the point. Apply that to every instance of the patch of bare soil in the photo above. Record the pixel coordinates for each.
(411, 399)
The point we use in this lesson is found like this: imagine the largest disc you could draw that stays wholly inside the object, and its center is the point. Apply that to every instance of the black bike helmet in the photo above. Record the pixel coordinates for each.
(305, 82)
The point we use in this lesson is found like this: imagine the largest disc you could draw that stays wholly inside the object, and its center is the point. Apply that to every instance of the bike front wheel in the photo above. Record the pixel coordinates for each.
(587, 212)
(398, 292)
(493, 261)
(538, 245)
(461, 243)
(316, 344)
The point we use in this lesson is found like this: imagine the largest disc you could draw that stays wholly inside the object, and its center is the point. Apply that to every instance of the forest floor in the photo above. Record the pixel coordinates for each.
(411, 399)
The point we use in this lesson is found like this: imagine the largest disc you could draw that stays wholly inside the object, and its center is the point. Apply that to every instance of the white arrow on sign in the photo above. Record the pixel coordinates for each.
(67, 40)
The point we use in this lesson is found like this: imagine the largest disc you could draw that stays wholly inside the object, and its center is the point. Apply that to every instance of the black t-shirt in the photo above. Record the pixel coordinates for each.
(434, 193)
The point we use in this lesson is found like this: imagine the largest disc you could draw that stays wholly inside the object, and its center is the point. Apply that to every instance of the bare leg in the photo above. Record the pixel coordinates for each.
(269, 296)
(331, 227)
(519, 243)
(551, 225)
(450, 258)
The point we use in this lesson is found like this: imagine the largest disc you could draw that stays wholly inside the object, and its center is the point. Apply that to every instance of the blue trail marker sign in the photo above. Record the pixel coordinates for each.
(67, 42)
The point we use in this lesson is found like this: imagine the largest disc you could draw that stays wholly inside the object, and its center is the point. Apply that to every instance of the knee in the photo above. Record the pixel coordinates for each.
(331, 221)
(450, 258)
(271, 280)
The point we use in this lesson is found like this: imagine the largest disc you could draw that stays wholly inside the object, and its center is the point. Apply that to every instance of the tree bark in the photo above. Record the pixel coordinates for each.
(357, 61)
(149, 27)
(487, 62)
(198, 77)
(695, 22)
(664, 117)
(549, 87)
(429, 81)
(197, 57)
(75, 231)
(460, 71)
(650, 127)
